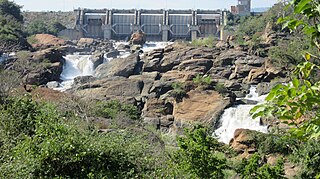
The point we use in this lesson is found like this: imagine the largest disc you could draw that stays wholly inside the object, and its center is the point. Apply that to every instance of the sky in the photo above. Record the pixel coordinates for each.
(69, 5)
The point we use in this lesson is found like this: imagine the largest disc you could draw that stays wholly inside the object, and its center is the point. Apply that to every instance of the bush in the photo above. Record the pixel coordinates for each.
(198, 156)
(43, 27)
(39, 142)
(179, 90)
(202, 81)
(111, 109)
(307, 155)
(221, 88)
(255, 168)
(208, 42)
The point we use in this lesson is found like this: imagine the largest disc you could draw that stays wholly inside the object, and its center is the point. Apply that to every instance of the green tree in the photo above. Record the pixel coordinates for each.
(198, 154)
(255, 168)
(41, 27)
(9, 8)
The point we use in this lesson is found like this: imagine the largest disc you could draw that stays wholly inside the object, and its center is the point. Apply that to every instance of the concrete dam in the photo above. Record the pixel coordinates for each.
(158, 25)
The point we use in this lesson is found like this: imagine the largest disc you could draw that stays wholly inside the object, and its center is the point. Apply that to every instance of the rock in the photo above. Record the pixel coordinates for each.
(119, 88)
(138, 38)
(243, 142)
(135, 48)
(83, 79)
(85, 42)
(120, 67)
(112, 54)
(200, 107)
(52, 84)
(123, 47)
(196, 65)
(51, 54)
(44, 75)
(228, 58)
(246, 102)
(97, 59)
(148, 81)
(47, 40)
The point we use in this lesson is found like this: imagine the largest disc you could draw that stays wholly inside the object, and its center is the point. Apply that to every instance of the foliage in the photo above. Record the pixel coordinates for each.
(298, 102)
(219, 87)
(111, 109)
(8, 81)
(308, 157)
(255, 168)
(202, 81)
(39, 142)
(11, 9)
(208, 42)
(309, 22)
(285, 52)
(179, 90)
(274, 143)
(44, 27)
(10, 29)
(198, 154)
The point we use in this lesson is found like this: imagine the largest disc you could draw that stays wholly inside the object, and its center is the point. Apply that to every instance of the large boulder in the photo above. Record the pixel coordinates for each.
(138, 38)
(119, 88)
(201, 107)
(43, 41)
(124, 67)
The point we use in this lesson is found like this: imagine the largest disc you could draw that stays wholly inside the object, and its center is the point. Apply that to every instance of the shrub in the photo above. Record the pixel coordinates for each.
(208, 42)
(179, 90)
(221, 88)
(202, 81)
(255, 168)
(111, 109)
(50, 146)
(198, 156)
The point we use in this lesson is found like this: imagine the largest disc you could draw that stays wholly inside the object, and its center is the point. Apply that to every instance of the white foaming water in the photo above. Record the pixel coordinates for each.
(81, 65)
(75, 65)
(238, 117)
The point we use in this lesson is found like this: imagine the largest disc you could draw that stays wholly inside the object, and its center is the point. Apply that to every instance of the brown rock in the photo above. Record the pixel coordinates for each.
(138, 38)
(47, 40)
(200, 106)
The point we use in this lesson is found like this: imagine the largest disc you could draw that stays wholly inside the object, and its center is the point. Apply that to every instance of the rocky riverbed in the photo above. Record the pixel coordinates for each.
(161, 82)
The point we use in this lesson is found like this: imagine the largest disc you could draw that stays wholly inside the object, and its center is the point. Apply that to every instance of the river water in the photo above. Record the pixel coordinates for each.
(238, 117)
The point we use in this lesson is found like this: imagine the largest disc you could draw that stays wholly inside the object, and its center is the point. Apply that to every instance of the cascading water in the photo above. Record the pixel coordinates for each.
(75, 65)
(238, 117)
(80, 65)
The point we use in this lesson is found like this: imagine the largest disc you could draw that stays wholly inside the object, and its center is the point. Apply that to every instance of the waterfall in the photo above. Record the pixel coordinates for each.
(238, 117)
(75, 65)
(80, 65)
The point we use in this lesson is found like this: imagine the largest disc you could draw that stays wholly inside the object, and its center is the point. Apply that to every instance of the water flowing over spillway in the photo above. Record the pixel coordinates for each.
(238, 117)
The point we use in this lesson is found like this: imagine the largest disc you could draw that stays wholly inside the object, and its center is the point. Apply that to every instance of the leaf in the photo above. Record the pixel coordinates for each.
(307, 56)
(301, 5)
(295, 82)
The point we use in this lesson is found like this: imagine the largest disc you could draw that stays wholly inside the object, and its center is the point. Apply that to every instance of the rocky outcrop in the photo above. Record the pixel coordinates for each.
(243, 142)
(149, 83)
(200, 106)
(43, 41)
(138, 38)
(123, 89)
(124, 67)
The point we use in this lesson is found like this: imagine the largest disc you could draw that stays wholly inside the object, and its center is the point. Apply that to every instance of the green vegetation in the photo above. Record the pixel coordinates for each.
(198, 155)
(297, 103)
(179, 90)
(44, 27)
(255, 168)
(202, 81)
(207, 42)
(113, 108)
